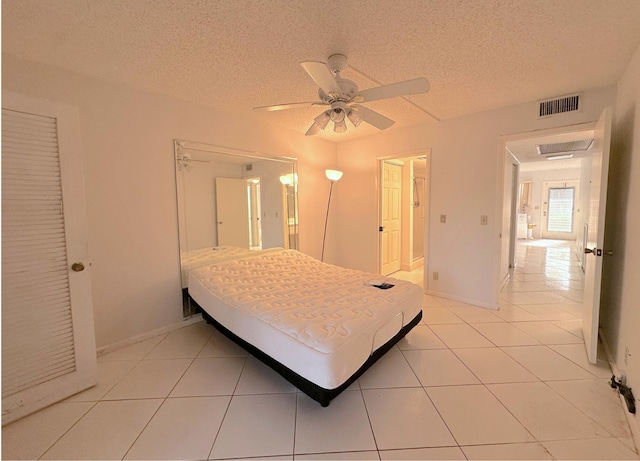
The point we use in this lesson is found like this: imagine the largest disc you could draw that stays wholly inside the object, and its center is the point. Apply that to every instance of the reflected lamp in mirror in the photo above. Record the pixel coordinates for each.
(333, 175)
(289, 179)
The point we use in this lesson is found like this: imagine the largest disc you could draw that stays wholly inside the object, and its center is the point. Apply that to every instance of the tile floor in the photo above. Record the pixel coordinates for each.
(467, 383)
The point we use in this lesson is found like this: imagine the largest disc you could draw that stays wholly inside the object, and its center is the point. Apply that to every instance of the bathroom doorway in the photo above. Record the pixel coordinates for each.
(403, 228)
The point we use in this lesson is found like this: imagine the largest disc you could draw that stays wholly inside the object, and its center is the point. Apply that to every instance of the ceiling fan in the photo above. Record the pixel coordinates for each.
(343, 97)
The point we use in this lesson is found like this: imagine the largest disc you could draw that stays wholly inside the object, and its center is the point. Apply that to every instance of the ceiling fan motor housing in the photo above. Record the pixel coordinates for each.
(348, 87)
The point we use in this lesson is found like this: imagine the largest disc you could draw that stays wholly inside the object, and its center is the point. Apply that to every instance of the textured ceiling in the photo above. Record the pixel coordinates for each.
(234, 55)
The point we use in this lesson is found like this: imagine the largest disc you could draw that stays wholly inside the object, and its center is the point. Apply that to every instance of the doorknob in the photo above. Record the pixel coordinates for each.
(77, 267)
(589, 250)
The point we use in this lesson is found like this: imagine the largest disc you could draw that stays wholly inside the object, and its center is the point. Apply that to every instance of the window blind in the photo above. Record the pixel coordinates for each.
(37, 329)
(560, 210)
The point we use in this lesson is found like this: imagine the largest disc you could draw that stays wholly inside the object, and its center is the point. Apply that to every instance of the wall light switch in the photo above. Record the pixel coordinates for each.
(443, 218)
(484, 220)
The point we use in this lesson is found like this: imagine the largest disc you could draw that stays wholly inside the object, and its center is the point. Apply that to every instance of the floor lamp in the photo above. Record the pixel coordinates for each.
(333, 176)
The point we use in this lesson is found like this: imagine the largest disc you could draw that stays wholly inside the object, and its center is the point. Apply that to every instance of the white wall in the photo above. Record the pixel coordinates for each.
(466, 180)
(127, 139)
(620, 311)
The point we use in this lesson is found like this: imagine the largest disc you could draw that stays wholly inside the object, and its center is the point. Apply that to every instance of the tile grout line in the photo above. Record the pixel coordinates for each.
(226, 411)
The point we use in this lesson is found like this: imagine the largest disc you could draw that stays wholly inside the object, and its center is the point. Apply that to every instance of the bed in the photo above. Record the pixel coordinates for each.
(318, 325)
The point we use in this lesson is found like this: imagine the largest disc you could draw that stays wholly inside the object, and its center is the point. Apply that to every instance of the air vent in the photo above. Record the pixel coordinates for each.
(559, 105)
(248, 167)
(564, 147)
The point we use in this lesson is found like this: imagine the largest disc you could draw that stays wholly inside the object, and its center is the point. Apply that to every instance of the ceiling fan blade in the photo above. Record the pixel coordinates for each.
(415, 86)
(313, 129)
(290, 105)
(374, 118)
(323, 77)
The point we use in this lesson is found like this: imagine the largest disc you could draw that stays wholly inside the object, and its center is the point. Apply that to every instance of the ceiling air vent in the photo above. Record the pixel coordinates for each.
(559, 105)
(564, 147)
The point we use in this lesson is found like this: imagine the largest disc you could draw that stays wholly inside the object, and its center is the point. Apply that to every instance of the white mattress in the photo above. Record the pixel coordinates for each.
(211, 255)
(321, 321)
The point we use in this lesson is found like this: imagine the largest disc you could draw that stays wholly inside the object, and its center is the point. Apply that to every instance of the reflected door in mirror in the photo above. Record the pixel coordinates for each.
(232, 207)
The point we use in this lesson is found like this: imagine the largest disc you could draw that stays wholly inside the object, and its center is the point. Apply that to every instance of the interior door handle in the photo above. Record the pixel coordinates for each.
(77, 267)
(589, 250)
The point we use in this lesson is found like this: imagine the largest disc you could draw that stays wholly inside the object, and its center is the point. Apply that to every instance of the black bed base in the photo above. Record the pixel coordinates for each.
(317, 393)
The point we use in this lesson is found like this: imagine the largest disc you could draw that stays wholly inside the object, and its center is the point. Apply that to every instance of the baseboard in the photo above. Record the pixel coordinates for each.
(461, 299)
(148, 335)
(413, 265)
(633, 422)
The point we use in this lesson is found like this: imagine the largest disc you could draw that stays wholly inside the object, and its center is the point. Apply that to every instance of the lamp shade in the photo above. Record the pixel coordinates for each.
(337, 114)
(355, 117)
(340, 127)
(322, 120)
(333, 175)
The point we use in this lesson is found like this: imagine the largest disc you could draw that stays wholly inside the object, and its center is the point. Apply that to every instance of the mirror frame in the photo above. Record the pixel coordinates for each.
(183, 160)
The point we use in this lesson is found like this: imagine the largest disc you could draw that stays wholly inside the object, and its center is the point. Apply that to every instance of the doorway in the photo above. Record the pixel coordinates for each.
(403, 216)
(573, 207)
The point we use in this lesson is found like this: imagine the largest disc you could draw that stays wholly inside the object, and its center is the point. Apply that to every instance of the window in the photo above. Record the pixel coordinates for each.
(560, 209)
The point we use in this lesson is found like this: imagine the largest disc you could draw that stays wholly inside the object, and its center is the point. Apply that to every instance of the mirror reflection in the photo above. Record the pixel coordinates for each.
(231, 201)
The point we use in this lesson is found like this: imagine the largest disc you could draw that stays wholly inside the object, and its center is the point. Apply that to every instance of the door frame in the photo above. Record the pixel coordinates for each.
(426, 153)
(501, 210)
(515, 183)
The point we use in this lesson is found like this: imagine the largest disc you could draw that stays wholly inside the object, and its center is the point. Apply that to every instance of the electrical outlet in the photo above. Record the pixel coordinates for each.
(443, 218)
(484, 220)
(435, 276)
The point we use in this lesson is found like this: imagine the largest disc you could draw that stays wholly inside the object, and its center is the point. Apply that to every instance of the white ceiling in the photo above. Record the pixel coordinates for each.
(234, 55)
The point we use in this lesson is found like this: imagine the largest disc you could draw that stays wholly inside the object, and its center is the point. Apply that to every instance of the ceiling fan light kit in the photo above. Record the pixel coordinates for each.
(343, 97)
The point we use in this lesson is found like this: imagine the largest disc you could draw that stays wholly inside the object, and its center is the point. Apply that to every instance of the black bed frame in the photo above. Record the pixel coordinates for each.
(317, 393)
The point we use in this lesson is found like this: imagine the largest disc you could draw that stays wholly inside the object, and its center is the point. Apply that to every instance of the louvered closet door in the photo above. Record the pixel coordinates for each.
(48, 345)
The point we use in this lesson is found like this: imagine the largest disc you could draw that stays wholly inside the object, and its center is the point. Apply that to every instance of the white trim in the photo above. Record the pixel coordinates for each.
(148, 335)
(461, 299)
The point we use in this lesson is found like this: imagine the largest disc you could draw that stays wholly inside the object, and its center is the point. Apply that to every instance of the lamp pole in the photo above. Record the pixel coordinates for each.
(333, 176)
(326, 219)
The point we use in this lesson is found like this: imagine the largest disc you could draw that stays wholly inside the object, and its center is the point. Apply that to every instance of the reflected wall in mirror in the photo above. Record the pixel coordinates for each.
(231, 201)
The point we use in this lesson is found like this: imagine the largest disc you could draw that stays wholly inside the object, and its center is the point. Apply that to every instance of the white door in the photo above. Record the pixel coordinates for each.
(391, 217)
(595, 233)
(232, 212)
(48, 344)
